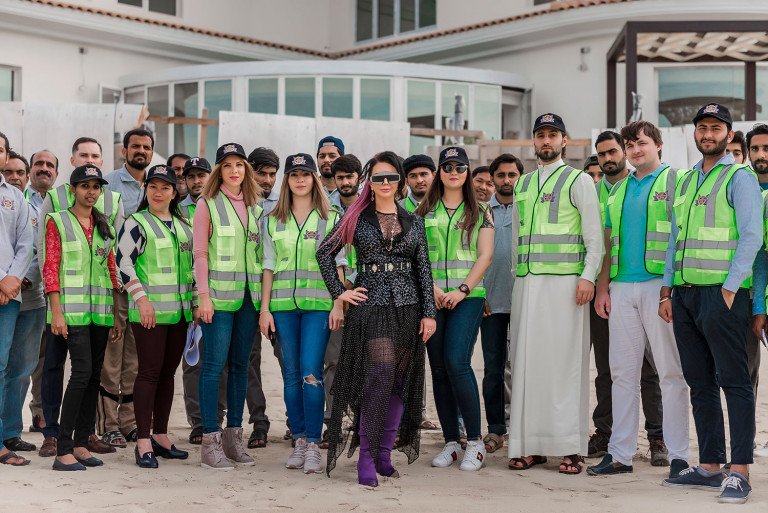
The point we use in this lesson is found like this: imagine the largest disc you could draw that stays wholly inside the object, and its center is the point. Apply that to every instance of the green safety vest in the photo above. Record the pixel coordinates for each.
(659, 220)
(708, 234)
(603, 192)
(62, 199)
(234, 255)
(188, 211)
(85, 288)
(765, 216)
(297, 282)
(449, 254)
(349, 250)
(550, 239)
(409, 205)
(164, 269)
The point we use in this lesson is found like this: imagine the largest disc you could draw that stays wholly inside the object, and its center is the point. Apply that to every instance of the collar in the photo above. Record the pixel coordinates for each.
(3, 182)
(187, 201)
(494, 202)
(273, 195)
(125, 176)
(405, 218)
(655, 173)
(725, 159)
(413, 198)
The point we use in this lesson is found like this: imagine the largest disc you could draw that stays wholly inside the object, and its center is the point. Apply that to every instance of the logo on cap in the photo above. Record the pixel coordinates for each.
(453, 152)
(547, 118)
(229, 148)
(161, 171)
(91, 171)
(194, 161)
(299, 160)
(711, 109)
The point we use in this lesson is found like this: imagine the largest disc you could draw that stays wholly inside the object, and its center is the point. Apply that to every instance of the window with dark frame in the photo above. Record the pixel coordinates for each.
(159, 6)
(384, 18)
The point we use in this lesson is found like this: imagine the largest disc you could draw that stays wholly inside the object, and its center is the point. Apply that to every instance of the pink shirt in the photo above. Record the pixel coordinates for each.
(201, 234)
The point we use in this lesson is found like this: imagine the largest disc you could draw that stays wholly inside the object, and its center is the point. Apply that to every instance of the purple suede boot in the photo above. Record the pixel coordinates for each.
(366, 470)
(391, 425)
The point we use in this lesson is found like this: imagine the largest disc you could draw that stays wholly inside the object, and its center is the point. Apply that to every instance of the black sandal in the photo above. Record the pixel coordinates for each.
(12, 455)
(535, 460)
(258, 439)
(196, 436)
(577, 463)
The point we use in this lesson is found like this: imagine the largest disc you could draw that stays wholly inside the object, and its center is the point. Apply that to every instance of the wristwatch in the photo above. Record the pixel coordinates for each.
(463, 288)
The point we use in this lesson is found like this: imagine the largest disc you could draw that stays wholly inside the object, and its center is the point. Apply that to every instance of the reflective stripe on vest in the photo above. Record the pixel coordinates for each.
(658, 223)
(85, 287)
(234, 255)
(188, 211)
(550, 239)
(451, 257)
(602, 196)
(107, 204)
(164, 269)
(409, 205)
(298, 283)
(708, 234)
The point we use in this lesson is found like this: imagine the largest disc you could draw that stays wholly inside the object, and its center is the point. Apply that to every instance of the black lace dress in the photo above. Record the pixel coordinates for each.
(382, 353)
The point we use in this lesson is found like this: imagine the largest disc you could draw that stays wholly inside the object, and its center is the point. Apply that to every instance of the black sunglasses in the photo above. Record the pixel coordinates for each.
(459, 168)
(389, 177)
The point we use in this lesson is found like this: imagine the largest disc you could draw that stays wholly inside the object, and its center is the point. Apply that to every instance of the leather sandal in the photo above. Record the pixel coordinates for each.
(523, 464)
(576, 466)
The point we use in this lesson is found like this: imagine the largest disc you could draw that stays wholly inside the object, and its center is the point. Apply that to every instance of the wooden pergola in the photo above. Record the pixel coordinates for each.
(684, 42)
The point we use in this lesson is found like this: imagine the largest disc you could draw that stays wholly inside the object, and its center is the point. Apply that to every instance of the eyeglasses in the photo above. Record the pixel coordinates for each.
(459, 168)
(389, 177)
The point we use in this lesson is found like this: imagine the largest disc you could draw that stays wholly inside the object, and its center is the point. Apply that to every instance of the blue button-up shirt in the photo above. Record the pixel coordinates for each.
(743, 194)
(131, 191)
(34, 197)
(269, 203)
(500, 276)
(16, 249)
(760, 275)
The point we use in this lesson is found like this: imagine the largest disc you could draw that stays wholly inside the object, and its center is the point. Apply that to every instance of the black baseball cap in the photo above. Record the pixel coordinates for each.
(549, 120)
(714, 110)
(161, 172)
(300, 161)
(453, 154)
(591, 161)
(84, 173)
(228, 149)
(196, 163)
(415, 161)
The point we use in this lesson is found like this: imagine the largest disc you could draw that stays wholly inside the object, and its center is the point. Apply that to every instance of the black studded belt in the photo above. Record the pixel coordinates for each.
(385, 267)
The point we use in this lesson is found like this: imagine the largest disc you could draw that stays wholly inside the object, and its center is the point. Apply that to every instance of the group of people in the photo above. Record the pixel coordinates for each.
(355, 272)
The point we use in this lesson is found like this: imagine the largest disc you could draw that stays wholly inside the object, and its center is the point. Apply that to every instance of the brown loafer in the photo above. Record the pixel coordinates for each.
(48, 449)
(95, 444)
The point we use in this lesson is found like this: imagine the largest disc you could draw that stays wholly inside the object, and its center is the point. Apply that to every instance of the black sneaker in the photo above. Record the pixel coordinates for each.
(734, 490)
(676, 467)
(608, 467)
(696, 477)
(598, 445)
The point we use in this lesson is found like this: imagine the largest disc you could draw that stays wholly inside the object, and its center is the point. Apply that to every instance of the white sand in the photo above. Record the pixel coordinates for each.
(183, 486)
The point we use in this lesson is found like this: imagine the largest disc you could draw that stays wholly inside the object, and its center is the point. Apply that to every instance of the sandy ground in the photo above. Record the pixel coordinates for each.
(183, 486)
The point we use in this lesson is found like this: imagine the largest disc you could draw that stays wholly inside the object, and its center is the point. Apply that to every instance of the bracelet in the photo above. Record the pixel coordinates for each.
(665, 298)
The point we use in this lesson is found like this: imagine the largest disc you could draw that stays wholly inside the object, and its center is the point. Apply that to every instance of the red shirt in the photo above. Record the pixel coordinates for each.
(53, 257)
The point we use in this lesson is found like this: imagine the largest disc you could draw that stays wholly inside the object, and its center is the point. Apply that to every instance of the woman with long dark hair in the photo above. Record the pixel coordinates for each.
(380, 374)
(154, 255)
(460, 238)
(81, 282)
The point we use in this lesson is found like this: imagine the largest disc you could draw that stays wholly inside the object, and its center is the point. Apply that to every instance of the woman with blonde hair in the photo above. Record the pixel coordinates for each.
(297, 308)
(226, 241)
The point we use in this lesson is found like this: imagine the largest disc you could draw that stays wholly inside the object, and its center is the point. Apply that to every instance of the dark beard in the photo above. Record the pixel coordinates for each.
(615, 171)
(719, 149)
(326, 174)
(548, 156)
(760, 166)
(352, 192)
(141, 166)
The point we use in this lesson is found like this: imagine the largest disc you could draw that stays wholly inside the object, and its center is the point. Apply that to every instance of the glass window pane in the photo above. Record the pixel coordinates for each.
(136, 3)
(427, 13)
(218, 97)
(449, 103)
(163, 6)
(337, 97)
(421, 111)
(157, 101)
(762, 92)
(364, 19)
(185, 106)
(300, 97)
(374, 99)
(386, 18)
(135, 96)
(407, 15)
(488, 111)
(262, 95)
(683, 90)
(6, 85)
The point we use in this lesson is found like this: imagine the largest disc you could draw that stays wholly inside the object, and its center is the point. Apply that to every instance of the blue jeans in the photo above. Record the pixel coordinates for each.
(8, 315)
(453, 380)
(228, 341)
(493, 331)
(303, 337)
(22, 360)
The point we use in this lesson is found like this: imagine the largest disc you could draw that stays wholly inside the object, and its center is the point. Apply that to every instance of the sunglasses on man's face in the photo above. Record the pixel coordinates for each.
(379, 178)
(459, 168)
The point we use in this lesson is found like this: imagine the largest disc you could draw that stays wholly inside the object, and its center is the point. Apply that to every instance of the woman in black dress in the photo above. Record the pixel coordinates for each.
(380, 375)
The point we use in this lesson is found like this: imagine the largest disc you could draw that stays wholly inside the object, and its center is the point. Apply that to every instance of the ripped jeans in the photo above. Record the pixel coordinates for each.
(303, 337)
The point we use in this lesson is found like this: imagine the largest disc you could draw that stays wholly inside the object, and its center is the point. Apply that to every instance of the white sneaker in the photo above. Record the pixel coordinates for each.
(763, 451)
(313, 460)
(450, 453)
(474, 457)
(296, 459)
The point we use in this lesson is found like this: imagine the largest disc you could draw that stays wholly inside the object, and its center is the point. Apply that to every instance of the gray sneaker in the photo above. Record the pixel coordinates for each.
(212, 454)
(696, 477)
(232, 443)
(734, 490)
(296, 459)
(313, 461)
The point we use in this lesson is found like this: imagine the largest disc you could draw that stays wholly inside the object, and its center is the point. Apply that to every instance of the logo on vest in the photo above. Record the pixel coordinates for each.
(453, 152)
(33, 221)
(547, 118)
(310, 234)
(661, 196)
(299, 160)
(254, 237)
(101, 252)
(548, 197)
(701, 200)
(711, 109)
(185, 246)
(8, 203)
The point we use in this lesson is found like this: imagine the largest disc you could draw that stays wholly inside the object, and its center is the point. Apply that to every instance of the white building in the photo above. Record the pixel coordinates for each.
(390, 60)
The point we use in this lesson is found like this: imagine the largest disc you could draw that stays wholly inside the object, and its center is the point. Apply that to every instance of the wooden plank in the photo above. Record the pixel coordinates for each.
(528, 143)
(432, 132)
(177, 120)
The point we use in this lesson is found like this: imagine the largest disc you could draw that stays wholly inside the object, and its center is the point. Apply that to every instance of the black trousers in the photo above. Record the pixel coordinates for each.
(712, 346)
(78, 408)
(650, 391)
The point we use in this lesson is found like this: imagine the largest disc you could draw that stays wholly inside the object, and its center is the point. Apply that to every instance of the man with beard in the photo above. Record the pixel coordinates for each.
(738, 147)
(346, 177)
(505, 171)
(757, 144)
(717, 231)
(560, 247)
(638, 217)
(116, 420)
(482, 183)
(611, 158)
(85, 151)
(419, 172)
(265, 163)
(177, 161)
(44, 170)
(328, 149)
(195, 173)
